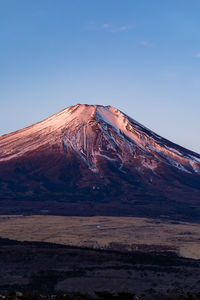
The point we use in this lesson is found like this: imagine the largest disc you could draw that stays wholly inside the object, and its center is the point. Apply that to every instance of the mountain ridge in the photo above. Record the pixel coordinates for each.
(95, 151)
(93, 117)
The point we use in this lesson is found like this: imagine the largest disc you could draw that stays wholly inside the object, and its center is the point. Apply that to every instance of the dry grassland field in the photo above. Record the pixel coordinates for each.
(119, 233)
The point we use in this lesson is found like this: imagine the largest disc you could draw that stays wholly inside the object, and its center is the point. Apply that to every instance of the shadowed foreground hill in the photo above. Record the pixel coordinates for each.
(44, 268)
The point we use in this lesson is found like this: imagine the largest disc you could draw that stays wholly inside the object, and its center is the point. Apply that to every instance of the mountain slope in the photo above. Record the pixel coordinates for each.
(92, 159)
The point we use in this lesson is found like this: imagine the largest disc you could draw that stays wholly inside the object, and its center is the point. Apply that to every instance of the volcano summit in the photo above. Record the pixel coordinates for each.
(95, 160)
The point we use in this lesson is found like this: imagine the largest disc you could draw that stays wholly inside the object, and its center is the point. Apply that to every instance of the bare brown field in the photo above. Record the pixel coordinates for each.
(106, 232)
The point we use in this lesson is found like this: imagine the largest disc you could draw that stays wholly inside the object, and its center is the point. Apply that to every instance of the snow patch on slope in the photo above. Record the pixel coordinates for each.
(137, 135)
(119, 122)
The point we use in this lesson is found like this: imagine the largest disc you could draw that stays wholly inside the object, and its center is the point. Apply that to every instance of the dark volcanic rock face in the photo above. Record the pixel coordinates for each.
(91, 159)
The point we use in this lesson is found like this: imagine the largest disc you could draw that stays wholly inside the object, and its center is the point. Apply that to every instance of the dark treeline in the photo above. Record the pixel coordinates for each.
(104, 295)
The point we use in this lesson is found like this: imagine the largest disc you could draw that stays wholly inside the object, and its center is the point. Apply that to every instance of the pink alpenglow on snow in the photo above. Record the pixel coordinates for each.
(97, 152)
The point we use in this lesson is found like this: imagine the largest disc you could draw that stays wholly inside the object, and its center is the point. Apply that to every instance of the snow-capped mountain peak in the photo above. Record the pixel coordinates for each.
(95, 130)
(94, 159)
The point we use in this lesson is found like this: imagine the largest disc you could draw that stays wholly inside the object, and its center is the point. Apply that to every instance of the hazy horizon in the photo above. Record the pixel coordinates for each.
(140, 57)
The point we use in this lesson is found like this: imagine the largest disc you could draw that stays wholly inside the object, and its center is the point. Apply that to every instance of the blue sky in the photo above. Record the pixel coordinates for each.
(140, 56)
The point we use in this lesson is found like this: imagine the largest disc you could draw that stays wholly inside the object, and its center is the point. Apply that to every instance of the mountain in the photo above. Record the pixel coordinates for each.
(95, 160)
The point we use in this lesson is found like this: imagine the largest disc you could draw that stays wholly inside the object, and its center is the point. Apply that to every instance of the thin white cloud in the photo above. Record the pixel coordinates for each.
(198, 55)
(105, 26)
(145, 43)
(121, 28)
(108, 27)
